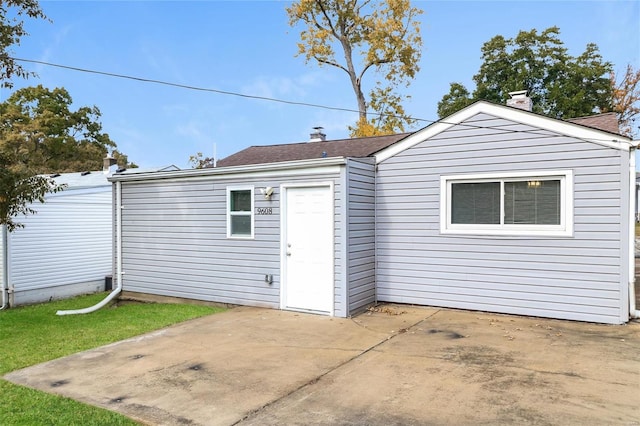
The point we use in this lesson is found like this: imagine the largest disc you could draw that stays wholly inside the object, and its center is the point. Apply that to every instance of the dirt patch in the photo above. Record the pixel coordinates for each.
(449, 334)
(484, 356)
(124, 302)
(386, 309)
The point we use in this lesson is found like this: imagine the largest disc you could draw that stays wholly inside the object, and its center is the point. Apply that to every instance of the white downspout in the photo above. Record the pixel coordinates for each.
(633, 309)
(375, 232)
(118, 288)
(5, 267)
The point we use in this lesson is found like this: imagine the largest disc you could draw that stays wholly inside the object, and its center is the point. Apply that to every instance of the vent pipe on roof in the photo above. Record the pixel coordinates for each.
(317, 135)
(107, 162)
(520, 100)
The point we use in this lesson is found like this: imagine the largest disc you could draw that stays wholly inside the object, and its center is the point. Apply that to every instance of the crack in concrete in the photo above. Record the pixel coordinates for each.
(319, 377)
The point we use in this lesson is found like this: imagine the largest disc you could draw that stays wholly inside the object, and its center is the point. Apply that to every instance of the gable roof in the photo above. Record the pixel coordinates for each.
(356, 147)
(567, 128)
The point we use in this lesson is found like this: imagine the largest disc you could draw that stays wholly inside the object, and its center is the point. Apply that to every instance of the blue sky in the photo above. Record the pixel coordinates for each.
(248, 47)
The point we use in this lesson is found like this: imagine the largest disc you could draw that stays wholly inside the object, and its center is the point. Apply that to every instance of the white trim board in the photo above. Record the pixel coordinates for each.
(288, 168)
(284, 278)
(564, 229)
(508, 113)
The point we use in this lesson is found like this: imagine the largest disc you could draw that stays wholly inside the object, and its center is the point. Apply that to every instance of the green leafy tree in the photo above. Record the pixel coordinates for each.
(560, 85)
(11, 31)
(41, 134)
(19, 189)
(457, 98)
(382, 37)
(40, 130)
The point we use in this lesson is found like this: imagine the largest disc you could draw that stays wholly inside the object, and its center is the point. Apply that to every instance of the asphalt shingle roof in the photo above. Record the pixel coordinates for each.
(607, 122)
(355, 147)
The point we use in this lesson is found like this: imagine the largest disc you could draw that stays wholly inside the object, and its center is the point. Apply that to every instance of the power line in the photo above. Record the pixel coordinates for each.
(269, 99)
(186, 86)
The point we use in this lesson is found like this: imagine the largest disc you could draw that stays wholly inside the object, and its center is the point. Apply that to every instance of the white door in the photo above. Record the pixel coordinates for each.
(308, 249)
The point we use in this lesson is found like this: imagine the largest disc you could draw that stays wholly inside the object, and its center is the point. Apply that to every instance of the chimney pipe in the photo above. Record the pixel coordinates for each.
(317, 135)
(520, 100)
(107, 162)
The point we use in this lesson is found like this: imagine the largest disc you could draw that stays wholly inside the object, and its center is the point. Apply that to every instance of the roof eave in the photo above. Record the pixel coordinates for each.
(231, 170)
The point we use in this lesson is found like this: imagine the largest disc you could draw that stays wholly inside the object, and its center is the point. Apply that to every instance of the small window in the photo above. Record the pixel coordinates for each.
(519, 204)
(240, 212)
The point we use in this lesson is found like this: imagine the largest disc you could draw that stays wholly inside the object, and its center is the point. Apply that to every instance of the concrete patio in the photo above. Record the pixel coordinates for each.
(395, 364)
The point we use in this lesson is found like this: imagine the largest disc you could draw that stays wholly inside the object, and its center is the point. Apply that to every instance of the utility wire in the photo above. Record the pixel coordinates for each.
(185, 86)
(269, 99)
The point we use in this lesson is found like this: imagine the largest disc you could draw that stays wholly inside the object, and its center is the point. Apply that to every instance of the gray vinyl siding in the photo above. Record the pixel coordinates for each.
(175, 243)
(3, 259)
(361, 234)
(580, 277)
(64, 249)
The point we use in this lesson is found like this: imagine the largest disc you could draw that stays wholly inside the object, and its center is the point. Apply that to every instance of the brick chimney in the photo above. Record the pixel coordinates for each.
(520, 100)
(317, 135)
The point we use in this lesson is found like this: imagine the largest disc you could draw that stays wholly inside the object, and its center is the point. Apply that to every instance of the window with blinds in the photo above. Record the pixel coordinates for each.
(503, 204)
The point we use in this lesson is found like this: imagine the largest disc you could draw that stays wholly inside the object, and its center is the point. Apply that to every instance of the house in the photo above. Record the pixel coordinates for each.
(494, 208)
(65, 248)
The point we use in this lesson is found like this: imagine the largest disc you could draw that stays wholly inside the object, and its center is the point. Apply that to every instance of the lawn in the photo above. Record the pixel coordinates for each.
(34, 334)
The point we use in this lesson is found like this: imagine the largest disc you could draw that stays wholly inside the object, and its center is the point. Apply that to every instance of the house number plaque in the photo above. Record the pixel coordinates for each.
(264, 210)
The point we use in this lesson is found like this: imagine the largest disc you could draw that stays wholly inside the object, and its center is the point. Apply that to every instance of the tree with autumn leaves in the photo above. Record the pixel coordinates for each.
(626, 100)
(371, 37)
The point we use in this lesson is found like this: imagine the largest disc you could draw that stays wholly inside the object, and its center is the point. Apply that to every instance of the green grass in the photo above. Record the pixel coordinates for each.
(34, 334)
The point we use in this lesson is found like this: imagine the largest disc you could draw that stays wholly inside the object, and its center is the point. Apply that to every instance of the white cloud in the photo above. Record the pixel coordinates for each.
(274, 87)
(52, 48)
(192, 129)
(302, 88)
(172, 109)
(165, 66)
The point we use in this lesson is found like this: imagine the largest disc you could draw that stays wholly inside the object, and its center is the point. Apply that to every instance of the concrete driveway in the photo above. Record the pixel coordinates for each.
(398, 365)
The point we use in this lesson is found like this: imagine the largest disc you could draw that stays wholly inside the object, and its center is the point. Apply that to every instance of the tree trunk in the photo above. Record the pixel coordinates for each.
(355, 82)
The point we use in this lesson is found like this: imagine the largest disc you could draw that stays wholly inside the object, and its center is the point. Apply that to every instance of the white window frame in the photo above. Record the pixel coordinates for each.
(249, 213)
(564, 229)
